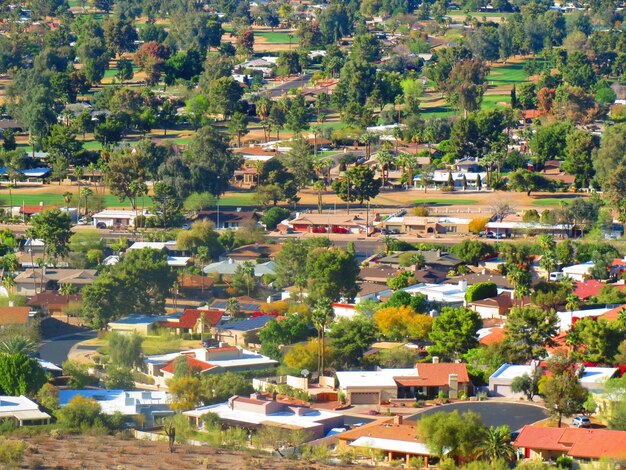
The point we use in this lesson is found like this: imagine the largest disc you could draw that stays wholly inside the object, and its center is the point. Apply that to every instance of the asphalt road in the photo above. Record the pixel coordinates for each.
(283, 88)
(515, 415)
(56, 349)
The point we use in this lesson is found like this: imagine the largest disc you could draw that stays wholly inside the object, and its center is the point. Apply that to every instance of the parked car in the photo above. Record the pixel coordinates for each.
(581, 422)
(186, 226)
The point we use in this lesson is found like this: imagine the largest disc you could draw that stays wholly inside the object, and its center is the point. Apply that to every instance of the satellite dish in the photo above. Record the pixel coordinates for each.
(304, 372)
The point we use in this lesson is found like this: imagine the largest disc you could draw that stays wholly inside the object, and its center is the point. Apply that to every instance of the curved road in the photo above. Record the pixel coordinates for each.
(56, 349)
(493, 414)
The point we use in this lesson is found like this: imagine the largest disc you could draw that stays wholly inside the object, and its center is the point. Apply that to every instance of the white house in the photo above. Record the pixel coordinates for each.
(565, 318)
(450, 294)
(22, 411)
(578, 272)
(112, 218)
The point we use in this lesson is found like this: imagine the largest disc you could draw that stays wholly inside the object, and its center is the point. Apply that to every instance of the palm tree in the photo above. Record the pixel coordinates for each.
(203, 256)
(67, 289)
(10, 187)
(17, 344)
(67, 198)
(320, 187)
(367, 139)
(78, 174)
(321, 316)
(9, 284)
(496, 444)
(85, 193)
(384, 158)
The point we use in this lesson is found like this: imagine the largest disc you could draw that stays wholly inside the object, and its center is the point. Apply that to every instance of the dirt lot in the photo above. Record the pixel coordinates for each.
(107, 452)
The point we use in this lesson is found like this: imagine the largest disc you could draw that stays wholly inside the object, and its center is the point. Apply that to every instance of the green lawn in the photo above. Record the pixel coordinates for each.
(92, 145)
(238, 200)
(445, 202)
(277, 37)
(477, 14)
(50, 199)
(507, 74)
(438, 111)
(491, 101)
(554, 201)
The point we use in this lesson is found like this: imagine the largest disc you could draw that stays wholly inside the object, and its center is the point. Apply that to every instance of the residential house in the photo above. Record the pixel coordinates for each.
(541, 443)
(372, 291)
(31, 175)
(32, 281)
(377, 273)
(147, 408)
(194, 283)
(451, 295)
(383, 385)
(252, 252)
(22, 411)
(493, 307)
(193, 321)
(211, 360)
(110, 218)
(247, 305)
(260, 411)
(591, 378)
(174, 258)
(137, 323)
(395, 437)
(424, 226)
(511, 228)
(579, 272)
(441, 178)
(432, 258)
(241, 332)
(566, 319)
(588, 288)
(327, 223)
(229, 267)
(227, 219)
(15, 316)
(499, 280)
(53, 303)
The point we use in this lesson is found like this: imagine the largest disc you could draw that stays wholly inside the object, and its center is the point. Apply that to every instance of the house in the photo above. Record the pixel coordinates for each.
(211, 360)
(52, 302)
(229, 267)
(372, 291)
(22, 411)
(442, 177)
(110, 218)
(493, 307)
(146, 407)
(588, 288)
(491, 335)
(192, 283)
(579, 272)
(247, 305)
(377, 273)
(169, 247)
(423, 226)
(193, 321)
(395, 437)
(253, 252)
(15, 316)
(450, 294)
(569, 318)
(241, 332)
(591, 378)
(227, 219)
(432, 258)
(259, 411)
(32, 281)
(499, 280)
(383, 385)
(328, 223)
(578, 443)
(137, 323)
(32, 175)
(524, 228)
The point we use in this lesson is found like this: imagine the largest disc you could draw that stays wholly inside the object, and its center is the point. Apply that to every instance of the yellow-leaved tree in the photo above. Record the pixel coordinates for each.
(400, 323)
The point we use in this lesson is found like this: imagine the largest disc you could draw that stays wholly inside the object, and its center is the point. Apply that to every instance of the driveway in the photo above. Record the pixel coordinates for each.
(55, 348)
(515, 415)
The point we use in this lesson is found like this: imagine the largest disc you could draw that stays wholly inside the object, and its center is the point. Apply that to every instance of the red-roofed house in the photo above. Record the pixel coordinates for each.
(493, 335)
(613, 315)
(194, 365)
(587, 444)
(588, 288)
(191, 321)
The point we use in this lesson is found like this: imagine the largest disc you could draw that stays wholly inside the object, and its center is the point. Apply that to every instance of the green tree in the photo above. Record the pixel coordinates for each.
(20, 375)
(273, 216)
(480, 291)
(496, 444)
(358, 184)
(563, 394)
(527, 181)
(471, 251)
(78, 374)
(238, 126)
(17, 343)
(529, 330)
(80, 413)
(119, 378)
(321, 316)
(53, 228)
(527, 384)
(452, 434)
(244, 280)
(579, 149)
(124, 70)
(349, 339)
(454, 332)
(125, 350)
(332, 273)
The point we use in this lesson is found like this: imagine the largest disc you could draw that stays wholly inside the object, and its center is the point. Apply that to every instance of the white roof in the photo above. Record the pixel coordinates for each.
(49, 365)
(597, 375)
(527, 226)
(450, 293)
(565, 318)
(256, 158)
(310, 419)
(417, 448)
(154, 245)
(582, 268)
(375, 378)
(248, 358)
(127, 403)
(178, 261)
(510, 371)
(9, 405)
(229, 266)
(119, 214)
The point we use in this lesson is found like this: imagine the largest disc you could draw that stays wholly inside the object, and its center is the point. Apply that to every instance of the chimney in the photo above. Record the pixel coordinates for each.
(11, 303)
(463, 285)
(435, 359)
(397, 420)
(40, 203)
(438, 253)
(453, 386)
(230, 261)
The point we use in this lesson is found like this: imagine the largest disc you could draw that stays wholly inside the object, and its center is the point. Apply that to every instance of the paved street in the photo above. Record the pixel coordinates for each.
(284, 88)
(56, 349)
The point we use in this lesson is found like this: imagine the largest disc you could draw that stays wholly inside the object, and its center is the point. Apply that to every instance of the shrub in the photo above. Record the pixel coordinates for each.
(481, 290)
(11, 451)
(478, 224)
(564, 462)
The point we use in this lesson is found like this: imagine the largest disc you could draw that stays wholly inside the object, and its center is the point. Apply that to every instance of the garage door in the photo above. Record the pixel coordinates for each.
(503, 391)
(364, 398)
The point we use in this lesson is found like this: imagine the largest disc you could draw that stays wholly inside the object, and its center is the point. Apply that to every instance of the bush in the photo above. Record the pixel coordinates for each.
(11, 451)
(273, 216)
(564, 462)
(478, 224)
(481, 290)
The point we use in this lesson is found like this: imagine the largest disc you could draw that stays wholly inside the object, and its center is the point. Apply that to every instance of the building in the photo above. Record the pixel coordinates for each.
(423, 380)
(247, 305)
(15, 316)
(193, 321)
(432, 258)
(253, 252)
(396, 438)
(328, 223)
(51, 302)
(494, 307)
(578, 443)
(146, 407)
(499, 280)
(591, 378)
(261, 411)
(32, 281)
(450, 294)
(22, 411)
(424, 226)
(242, 332)
(213, 360)
(569, 318)
(229, 267)
(524, 228)
(110, 218)
(137, 323)
(372, 291)
(579, 272)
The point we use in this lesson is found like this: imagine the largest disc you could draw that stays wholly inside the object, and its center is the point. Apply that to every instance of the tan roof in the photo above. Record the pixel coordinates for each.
(62, 276)
(383, 429)
(328, 219)
(14, 315)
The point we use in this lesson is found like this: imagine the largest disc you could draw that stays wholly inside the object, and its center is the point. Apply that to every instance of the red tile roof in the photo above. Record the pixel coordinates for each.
(575, 442)
(223, 349)
(613, 315)
(495, 335)
(14, 315)
(435, 375)
(193, 364)
(33, 209)
(190, 317)
(587, 289)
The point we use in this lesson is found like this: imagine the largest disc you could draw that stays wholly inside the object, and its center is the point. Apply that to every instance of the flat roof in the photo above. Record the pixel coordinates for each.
(597, 375)
(405, 447)
(248, 358)
(284, 418)
(374, 378)
(139, 319)
(126, 402)
(510, 371)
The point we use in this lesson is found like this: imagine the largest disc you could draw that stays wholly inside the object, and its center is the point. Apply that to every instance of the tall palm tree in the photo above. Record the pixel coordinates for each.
(384, 158)
(496, 444)
(67, 198)
(367, 139)
(78, 174)
(10, 187)
(86, 193)
(203, 256)
(321, 316)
